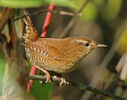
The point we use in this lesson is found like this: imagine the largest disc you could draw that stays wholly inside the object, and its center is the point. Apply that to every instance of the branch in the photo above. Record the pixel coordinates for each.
(82, 87)
(65, 13)
(71, 23)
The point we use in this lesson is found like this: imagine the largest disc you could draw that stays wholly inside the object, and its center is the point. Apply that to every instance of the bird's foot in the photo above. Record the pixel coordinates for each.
(48, 79)
(63, 81)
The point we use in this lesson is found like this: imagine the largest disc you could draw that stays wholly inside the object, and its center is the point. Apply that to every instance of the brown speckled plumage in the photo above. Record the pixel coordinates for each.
(57, 55)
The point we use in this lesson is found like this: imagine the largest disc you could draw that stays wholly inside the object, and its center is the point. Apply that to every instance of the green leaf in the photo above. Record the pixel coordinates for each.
(21, 3)
(37, 3)
(112, 9)
(68, 3)
(89, 13)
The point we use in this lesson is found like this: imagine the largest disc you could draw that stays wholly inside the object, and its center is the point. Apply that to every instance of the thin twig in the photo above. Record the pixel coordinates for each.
(71, 23)
(82, 87)
(65, 13)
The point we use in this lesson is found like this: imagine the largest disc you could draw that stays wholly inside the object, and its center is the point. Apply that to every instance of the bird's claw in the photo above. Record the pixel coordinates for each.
(63, 81)
(48, 79)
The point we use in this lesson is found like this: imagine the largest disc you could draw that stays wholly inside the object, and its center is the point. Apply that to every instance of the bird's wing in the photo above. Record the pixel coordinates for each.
(45, 50)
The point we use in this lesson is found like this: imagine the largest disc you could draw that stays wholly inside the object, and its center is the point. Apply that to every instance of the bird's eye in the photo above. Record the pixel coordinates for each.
(87, 44)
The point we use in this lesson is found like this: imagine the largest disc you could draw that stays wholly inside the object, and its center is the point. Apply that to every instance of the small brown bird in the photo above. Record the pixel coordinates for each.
(57, 55)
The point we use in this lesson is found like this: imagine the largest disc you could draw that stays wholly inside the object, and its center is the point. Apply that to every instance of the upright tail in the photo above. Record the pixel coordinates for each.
(31, 32)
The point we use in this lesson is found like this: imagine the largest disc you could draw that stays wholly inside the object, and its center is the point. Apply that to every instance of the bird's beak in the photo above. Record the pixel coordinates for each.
(101, 45)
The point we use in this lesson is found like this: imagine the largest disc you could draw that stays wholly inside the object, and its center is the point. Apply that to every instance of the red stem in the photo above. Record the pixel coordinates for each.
(30, 83)
(43, 34)
(47, 20)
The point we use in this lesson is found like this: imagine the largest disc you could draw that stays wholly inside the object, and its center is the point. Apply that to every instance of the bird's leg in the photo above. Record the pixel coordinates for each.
(48, 78)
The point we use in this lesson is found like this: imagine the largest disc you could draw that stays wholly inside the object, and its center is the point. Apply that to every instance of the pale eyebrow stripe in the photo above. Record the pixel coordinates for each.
(81, 41)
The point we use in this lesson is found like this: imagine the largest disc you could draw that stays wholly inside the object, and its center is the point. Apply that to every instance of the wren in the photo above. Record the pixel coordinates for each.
(58, 55)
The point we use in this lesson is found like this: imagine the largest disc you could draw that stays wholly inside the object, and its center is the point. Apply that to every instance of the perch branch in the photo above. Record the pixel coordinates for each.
(82, 87)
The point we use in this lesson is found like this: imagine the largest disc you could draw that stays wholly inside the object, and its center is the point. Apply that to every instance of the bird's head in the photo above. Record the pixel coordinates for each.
(86, 45)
